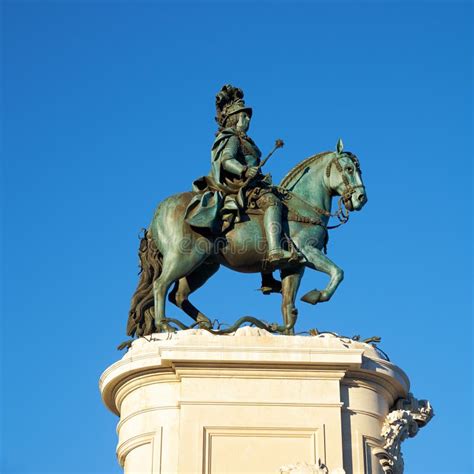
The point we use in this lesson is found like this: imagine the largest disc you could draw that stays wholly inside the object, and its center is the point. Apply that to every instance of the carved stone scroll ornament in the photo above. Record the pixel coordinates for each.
(404, 421)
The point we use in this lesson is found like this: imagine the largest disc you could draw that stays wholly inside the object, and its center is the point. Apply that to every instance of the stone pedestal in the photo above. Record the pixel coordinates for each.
(251, 402)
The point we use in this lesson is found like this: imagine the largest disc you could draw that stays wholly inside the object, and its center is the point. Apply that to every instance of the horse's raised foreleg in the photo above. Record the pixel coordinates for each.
(290, 282)
(318, 261)
(187, 285)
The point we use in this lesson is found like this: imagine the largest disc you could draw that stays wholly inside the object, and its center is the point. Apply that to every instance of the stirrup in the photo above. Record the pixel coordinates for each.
(278, 256)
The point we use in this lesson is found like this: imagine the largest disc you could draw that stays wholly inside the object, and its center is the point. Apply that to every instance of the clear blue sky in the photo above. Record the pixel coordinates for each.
(108, 108)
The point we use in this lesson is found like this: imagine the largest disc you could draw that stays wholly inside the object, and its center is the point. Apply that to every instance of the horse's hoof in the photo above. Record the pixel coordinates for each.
(268, 290)
(324, 297)
(312, 297)
(203, 322)
(165, 327)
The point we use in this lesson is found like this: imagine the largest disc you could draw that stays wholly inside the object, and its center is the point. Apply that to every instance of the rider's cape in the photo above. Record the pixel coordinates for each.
(215, 194)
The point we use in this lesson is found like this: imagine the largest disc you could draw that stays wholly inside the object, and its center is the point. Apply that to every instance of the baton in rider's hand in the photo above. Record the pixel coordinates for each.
(255, 169)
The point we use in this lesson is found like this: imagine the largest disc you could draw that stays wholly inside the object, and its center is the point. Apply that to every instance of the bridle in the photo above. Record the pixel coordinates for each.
(342, 212)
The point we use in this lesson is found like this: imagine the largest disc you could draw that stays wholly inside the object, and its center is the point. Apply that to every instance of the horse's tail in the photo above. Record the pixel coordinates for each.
(141, 315)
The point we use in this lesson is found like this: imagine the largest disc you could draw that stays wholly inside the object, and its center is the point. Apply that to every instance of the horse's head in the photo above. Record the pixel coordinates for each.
(344, 179)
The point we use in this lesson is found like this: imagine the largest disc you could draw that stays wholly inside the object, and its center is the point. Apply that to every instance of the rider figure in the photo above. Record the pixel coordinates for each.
(235, 182)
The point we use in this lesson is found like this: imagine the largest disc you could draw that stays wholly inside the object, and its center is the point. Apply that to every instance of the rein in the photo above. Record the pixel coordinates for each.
(342, 213)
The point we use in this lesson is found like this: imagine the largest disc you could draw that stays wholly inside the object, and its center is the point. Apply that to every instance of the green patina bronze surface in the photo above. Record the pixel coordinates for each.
(236, 217)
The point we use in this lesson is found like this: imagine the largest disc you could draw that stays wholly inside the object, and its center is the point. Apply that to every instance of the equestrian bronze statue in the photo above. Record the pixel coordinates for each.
(235, 216)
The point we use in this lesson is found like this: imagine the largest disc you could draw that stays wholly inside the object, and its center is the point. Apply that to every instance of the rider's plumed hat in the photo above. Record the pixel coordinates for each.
(230, 101)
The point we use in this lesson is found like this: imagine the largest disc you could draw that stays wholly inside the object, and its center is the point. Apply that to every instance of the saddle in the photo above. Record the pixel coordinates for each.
(294, 208)
(210, 210)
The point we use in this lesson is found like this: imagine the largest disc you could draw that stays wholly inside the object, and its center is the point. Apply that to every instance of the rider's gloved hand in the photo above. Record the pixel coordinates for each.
(251, 172)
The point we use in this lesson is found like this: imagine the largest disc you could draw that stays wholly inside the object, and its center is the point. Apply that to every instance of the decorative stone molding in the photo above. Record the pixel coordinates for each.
(404, 421)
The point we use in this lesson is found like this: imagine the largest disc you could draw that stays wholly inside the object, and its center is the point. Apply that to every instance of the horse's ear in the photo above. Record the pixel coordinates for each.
(339, 146)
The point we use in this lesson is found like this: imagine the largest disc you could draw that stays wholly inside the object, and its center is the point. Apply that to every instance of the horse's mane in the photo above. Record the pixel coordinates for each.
(296, 170)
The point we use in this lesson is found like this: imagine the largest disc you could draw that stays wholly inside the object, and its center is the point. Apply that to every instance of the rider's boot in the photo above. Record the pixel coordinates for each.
(272, 223)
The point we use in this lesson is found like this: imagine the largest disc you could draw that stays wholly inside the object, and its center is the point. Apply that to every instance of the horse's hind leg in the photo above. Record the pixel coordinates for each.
(290, 282)
(175, 266)
(187, 285)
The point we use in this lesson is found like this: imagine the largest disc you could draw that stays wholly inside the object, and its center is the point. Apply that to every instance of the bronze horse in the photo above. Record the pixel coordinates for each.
(173, 252)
